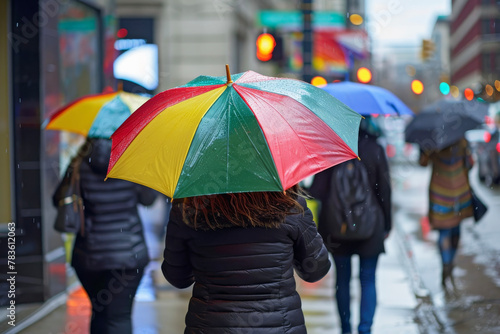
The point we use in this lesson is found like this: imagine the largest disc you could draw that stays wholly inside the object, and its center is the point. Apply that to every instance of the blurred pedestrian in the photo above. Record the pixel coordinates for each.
(154, 219)
(374, 160)
(449, 198)
(240, 251)
(110, 255)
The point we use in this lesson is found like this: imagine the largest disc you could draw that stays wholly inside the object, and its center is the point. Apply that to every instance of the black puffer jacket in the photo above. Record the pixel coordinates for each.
(243, 277)
(113, 236)
(373, 156)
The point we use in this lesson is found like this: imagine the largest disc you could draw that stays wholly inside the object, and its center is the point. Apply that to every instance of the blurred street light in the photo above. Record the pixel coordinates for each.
(489, 90)
(417, 87)
(469, 94)
(497, 85)
(364, 75)
(318, 81)
(444, 88)
(356, 19)
(455, 92)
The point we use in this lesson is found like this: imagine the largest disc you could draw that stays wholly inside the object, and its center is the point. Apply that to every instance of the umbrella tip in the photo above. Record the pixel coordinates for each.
(228, 74)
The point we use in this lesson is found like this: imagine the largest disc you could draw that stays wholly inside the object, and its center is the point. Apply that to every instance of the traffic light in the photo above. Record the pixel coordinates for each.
(269, 47)
(265, 46)
(428, 48)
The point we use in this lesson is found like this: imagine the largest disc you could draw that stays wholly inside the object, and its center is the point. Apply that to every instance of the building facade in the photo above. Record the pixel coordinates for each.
(199, 37)
(474, 43)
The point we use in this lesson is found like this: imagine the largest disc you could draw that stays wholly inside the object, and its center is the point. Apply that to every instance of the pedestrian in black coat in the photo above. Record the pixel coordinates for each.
(373, 157)
(110, 256)
(240, 251)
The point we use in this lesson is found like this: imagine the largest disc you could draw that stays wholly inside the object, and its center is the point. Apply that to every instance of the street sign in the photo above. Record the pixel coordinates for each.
(293, 19)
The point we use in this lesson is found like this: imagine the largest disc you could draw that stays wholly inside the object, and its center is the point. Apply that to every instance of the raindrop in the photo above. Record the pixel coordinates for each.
(137, 270)
(17, 24)
(121, 230)
(90, 160)
(20, 100)
(18, 166)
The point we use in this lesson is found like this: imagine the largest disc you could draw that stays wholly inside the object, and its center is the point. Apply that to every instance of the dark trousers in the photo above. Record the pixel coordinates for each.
(367, 268)
(111, 293)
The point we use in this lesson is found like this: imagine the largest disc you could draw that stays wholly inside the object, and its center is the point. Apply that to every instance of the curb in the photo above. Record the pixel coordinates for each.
(428, 317)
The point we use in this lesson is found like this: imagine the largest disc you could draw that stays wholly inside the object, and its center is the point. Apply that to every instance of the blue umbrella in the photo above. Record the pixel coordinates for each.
(368, 99)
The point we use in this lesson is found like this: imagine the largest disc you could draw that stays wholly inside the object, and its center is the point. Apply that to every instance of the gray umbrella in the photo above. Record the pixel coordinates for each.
(445, 122)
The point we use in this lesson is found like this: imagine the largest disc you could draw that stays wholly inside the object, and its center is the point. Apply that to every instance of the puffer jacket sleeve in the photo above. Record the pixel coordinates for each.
(176, 266)
(311, 260)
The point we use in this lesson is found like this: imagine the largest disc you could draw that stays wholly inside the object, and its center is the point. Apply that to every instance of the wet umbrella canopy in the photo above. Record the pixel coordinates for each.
(95, 116)
(368, 99)
(214, 136)
(443, 123)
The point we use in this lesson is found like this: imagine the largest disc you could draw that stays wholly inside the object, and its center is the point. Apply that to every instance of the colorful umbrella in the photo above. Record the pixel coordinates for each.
(368, 99)
(214, 136)
(95, 116)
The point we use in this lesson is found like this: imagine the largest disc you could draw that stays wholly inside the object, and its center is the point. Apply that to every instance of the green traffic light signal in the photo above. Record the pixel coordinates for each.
(444, 88)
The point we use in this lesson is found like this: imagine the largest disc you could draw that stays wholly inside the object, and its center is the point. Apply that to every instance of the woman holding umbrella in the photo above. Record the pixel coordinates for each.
(240, 250)
(449, 198)
(230, 154)
(109, 253)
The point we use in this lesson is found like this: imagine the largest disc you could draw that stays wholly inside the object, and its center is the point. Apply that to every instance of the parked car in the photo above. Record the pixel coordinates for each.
(486, 149)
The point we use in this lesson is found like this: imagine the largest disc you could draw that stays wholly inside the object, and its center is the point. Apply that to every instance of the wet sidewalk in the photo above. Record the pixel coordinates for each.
(395, 312)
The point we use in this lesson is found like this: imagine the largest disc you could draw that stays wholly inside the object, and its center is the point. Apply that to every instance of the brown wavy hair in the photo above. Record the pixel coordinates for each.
(251, 209)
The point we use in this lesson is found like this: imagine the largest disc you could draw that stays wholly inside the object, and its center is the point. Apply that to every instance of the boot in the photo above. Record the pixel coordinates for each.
(447, 275)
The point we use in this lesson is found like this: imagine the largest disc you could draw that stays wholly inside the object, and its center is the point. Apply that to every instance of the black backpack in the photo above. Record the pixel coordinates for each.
(352, 211)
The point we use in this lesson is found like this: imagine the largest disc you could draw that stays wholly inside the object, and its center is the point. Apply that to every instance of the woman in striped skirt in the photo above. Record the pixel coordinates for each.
(449, 198)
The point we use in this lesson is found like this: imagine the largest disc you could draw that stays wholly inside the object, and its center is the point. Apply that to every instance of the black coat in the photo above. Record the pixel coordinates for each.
(373, 156)
(113, 236)
(243, 277)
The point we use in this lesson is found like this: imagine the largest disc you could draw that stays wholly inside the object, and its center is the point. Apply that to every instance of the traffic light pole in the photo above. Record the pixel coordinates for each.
(307, 40)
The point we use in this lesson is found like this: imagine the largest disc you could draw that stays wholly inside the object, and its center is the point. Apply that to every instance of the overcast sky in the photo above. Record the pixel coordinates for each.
(397, 23)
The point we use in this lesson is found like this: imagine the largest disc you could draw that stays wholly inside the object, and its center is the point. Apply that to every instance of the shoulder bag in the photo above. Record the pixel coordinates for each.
(70, 218)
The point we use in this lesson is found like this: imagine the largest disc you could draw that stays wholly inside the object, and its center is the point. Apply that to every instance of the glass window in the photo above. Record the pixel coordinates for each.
(72, 67)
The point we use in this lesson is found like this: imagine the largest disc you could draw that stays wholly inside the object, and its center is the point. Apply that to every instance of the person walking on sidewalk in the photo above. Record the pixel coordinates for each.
(449, 198)
(374, 160)
(240, 251)
(110, 256)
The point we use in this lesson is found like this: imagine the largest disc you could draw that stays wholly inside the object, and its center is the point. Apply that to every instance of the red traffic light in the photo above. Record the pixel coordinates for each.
(265, 46)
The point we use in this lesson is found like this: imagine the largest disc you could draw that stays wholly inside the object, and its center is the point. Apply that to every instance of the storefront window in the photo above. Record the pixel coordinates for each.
(71, 68)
